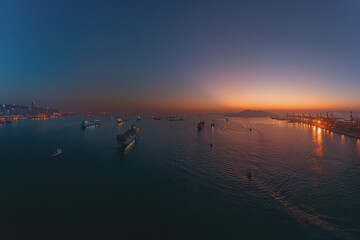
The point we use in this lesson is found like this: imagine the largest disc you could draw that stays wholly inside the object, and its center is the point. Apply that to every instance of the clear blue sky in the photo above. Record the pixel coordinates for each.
(115, 55)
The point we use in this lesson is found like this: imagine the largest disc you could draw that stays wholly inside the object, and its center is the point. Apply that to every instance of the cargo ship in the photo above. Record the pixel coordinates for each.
(87, 124)
(128, 137)
(201, 125)
(156, 117)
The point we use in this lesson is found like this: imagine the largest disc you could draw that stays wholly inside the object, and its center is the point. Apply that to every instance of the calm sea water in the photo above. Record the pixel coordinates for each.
(171, 184)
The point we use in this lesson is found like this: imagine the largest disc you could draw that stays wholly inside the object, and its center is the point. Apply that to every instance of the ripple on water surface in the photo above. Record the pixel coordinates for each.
(304, 180)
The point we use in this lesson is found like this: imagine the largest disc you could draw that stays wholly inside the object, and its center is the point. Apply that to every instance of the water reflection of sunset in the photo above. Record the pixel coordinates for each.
(317, 139)
(319, 152)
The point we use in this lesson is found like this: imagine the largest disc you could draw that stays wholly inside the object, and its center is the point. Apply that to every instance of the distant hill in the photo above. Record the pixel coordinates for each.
(251, 113)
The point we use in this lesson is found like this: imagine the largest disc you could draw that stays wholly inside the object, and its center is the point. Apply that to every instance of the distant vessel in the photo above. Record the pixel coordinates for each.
(292, 121)
(176, 119)
(128, 137)
(87, 124)
(87, 115)
(138, 118)
(57, 152)
(201, 125)
(249, 175)
(119, 120)
(212, 124)
(227, 119)
(156, 117)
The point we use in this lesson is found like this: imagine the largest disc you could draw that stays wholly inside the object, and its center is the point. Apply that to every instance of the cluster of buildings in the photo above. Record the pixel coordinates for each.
(348, 126)
(14, 111)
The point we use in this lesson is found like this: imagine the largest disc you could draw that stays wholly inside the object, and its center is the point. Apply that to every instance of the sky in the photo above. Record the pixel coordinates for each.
(180, 55)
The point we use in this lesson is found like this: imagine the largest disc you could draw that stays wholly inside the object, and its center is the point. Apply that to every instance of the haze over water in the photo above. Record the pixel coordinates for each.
(198, 55)
(171, 184)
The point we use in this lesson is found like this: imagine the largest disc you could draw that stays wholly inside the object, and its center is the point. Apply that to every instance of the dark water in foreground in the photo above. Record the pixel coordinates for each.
(171, 185)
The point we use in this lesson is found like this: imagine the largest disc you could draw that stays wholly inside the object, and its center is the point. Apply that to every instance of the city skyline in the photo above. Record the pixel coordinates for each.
(181, 55)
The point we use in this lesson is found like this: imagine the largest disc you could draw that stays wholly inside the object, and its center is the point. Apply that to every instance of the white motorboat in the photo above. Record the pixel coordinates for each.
(57, 152)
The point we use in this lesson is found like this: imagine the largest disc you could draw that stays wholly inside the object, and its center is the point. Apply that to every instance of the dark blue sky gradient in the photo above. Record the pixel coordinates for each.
(113, 55)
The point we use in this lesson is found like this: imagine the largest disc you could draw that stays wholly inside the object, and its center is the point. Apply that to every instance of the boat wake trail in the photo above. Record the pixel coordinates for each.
(305, 219)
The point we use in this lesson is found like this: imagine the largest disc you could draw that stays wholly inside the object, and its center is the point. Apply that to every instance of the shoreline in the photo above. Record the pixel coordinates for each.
(334, 130)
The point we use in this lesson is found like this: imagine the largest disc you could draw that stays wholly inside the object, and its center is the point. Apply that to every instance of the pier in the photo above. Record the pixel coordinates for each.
(350, 127)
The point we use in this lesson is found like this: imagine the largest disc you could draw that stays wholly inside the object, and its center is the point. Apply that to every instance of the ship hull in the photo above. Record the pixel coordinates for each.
(128, 142)
(87, 124)
(90, 125)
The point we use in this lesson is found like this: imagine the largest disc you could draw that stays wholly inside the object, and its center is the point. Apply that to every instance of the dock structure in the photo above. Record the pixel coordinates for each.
(349, 127)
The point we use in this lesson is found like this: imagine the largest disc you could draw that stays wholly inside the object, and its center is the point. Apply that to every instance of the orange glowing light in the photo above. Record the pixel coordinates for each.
(319, 121)
(342, 138)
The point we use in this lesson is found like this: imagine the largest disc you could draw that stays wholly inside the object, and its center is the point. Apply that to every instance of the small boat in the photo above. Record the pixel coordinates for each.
(57, 152)
(138, 118)
(119, 120)
(249, 175)
(156, 117)
(176, 119)
(212, 124)
(128, 137)
(201, 125)
(87, 124)
(227, 119)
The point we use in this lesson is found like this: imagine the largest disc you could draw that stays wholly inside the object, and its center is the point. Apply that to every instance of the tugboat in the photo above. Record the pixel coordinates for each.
(201, 125)
(119, 120)
(87, 124)
(212, 124)
(156, 117)
(128, 137)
